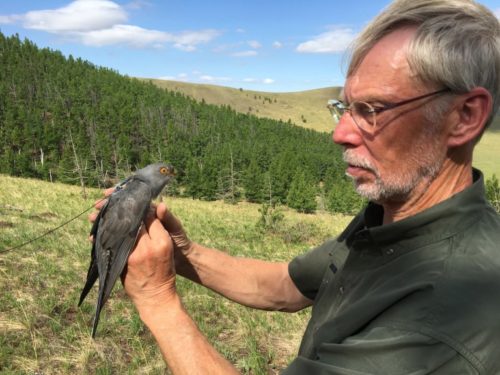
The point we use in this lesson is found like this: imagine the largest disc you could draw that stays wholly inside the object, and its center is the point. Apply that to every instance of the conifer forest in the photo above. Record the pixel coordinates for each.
(65, 119)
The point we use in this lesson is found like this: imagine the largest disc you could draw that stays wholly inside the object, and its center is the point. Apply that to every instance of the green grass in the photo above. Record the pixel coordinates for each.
(43, 331)
(487, 152)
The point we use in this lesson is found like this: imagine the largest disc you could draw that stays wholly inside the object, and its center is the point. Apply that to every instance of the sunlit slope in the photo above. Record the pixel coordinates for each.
(304, 108)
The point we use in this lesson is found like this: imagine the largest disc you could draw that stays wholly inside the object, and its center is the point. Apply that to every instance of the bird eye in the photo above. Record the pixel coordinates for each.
(163, 170)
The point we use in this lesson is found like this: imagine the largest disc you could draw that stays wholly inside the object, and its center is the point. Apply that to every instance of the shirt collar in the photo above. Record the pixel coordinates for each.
(434, 224)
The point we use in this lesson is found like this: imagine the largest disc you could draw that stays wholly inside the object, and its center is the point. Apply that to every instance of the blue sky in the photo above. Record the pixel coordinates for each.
(275, 46)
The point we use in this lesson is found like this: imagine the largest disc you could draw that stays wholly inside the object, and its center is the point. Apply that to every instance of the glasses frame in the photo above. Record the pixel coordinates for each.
(338, 108)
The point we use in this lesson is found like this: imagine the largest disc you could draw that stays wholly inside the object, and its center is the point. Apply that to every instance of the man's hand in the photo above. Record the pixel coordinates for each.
(150, 274)
(149, 280)
(182, 244)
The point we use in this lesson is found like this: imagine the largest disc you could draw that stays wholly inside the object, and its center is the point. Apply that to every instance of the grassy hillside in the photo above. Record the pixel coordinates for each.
(43, 331)
(311, 107)
(487, 154)
(305, 108)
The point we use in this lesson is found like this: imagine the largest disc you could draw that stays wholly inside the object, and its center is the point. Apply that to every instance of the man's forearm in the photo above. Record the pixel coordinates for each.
(183, 346)
(250, 282)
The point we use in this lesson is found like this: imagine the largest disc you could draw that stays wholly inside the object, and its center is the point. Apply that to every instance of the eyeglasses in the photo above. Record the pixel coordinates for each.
(365, 114)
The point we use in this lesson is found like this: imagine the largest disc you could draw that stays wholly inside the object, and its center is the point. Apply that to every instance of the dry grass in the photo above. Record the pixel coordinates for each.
(304, 108)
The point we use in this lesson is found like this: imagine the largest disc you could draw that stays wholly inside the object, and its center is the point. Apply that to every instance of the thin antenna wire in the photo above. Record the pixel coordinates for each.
(51, 230)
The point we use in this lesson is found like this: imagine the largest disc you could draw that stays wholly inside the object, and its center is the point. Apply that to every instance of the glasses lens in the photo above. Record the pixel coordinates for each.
(364, 115)
(336, 108)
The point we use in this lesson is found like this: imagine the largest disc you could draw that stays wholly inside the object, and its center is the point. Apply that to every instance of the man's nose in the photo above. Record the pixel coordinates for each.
(347, 132)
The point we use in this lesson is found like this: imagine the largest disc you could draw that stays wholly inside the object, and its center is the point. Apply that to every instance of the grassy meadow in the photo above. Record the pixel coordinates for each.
(42, 331)
(487, 152)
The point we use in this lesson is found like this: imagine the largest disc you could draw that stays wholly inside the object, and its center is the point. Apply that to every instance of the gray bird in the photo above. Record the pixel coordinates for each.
(117, 226)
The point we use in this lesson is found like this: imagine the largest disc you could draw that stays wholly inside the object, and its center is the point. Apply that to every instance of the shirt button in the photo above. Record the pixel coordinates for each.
(389, 252)
(341, 289)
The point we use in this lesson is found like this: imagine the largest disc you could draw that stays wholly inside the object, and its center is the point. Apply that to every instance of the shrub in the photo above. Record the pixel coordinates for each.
(493, 192)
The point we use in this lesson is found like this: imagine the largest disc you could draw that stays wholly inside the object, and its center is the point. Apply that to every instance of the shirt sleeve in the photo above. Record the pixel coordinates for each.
(307, 270)
(384, 350)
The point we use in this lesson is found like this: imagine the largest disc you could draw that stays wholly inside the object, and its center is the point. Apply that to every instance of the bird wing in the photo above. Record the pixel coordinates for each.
(93, 272)
(117, 233)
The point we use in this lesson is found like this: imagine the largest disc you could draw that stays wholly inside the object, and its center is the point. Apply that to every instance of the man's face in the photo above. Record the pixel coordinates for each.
(407, 150)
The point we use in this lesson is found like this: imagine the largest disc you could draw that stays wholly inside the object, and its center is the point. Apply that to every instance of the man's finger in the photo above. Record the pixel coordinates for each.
(109, 191)
(169, 221)
(143, 233)
(100, 203)
(156, 229)
(148, 220)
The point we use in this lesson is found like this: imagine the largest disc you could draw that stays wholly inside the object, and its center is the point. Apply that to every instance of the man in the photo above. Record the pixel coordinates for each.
(413, 283)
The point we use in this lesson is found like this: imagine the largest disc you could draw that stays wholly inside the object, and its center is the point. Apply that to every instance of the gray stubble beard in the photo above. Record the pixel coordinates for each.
(401, 184)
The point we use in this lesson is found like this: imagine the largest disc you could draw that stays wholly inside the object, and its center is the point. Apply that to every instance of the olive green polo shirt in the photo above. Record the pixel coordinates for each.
(418, 296)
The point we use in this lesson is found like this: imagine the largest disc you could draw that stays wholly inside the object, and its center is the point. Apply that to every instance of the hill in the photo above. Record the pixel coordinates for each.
(308, 109)
(304, 108)
(43, 331)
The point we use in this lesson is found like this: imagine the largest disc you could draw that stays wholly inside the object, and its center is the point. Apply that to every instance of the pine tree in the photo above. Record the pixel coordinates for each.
(302, 194)
(253, 182)
(342, 198)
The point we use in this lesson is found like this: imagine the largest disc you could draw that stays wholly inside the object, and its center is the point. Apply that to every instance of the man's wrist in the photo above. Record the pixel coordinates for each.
(157, 313)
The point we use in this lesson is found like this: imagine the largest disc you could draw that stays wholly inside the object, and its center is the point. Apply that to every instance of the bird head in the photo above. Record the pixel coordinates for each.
(156, 176)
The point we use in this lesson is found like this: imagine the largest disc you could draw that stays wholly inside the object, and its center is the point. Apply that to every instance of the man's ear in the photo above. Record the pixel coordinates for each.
(469, 116)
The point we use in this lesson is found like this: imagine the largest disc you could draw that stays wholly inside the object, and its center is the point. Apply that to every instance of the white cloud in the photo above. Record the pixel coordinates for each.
(184, 47)
(179, 77)
(9, 19)
(124, 34)
(196, 37)
(240, 30)
(188, 40)
(136, 36)
(497, 13)
(197, 76)
(80, 15)
(254, 44)
(248, 53)
(138, 4)
(101, 23)
(212, 79)
(277, 44)
(266, 81)
(335, 40)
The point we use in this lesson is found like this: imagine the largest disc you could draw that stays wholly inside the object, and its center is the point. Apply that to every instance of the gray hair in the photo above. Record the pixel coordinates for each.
(457, 44)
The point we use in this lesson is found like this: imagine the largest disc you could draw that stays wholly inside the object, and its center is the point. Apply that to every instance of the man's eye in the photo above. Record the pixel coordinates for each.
(363, 108)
